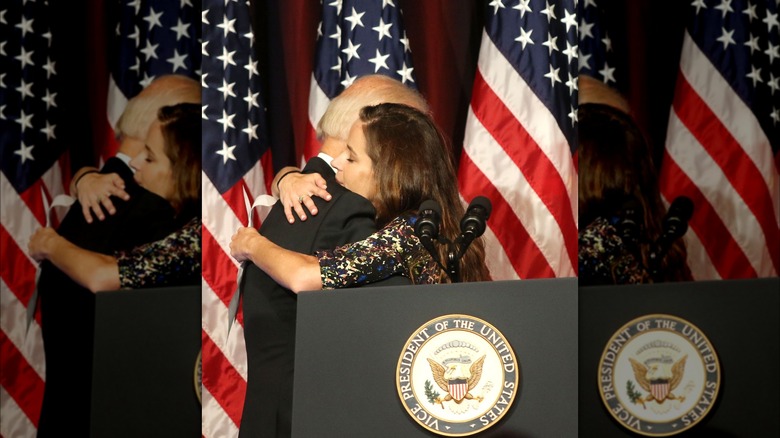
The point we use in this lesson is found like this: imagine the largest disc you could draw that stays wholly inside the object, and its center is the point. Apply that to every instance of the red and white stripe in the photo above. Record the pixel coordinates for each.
(116, 102)
(458, 390)
(318, 103)
(224, 356)
(22, 373)
(515, 154)
(718, 155)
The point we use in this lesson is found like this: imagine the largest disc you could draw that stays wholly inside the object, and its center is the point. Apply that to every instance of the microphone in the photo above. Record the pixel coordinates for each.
(630, 222)
(427, 226)
(675, 223)
(475, 220)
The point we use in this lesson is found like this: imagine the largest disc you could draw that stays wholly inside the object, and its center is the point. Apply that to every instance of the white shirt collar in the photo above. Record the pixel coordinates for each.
(328, 159)
(126, 159)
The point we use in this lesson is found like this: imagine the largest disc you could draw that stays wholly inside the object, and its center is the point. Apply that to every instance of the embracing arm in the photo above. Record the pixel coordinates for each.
(94, 190)
(92, 270)
(82, 172)
(295, 271)
(295, 190)
(279, 176)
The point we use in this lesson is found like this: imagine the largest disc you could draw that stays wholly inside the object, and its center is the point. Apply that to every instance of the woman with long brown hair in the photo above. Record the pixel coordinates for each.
(620, 206)
(170, 167)
(396, 158)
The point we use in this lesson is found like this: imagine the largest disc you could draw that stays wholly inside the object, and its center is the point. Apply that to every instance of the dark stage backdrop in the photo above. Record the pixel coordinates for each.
(647, 36)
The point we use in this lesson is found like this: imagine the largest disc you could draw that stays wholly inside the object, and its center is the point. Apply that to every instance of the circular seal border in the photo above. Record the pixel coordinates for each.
(198, 377)
(431, 324)
(626, 329)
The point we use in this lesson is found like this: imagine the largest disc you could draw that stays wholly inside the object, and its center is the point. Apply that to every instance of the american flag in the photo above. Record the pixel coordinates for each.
(355, 38)
(723, 138)
(236, 160)
(32, 167)
(520, 137)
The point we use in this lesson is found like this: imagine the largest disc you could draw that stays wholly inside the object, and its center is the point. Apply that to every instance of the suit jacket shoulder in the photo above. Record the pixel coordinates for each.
(145, 217)
(347, 217)
(115, 165)
(318, 165)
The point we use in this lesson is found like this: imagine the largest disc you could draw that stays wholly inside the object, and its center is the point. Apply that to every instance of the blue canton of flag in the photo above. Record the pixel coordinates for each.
(152, 38)
(541, 44)
(742, 40)
(233, 114)
(28, 94)
(596, 57)
(357, 38)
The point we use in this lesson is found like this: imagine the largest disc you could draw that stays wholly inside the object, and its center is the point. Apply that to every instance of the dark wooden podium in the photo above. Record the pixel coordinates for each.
(741, 318)
(147, 343)
(349, 343)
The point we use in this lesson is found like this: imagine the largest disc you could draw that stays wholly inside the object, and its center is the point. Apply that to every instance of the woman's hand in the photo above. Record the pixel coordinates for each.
(293, 270)
(95, 189)
(244, 242)
(296, 190)
(42, 243)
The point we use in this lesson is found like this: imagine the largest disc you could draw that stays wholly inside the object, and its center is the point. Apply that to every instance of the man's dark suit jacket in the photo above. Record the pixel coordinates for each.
(67, 309)
(270, 309)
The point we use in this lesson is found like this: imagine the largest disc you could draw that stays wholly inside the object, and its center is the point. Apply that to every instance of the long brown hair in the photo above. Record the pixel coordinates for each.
(180, 125)
(616, 164)
(411, 164)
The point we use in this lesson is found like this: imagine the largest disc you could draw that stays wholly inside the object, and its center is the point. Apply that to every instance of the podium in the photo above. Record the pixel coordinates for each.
(348, 345)
(147, 343)
(741, 319)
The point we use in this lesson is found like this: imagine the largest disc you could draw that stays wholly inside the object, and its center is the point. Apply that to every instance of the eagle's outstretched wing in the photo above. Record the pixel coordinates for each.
(640, 374)
(677, 373)
(476, 372)
(438, 375)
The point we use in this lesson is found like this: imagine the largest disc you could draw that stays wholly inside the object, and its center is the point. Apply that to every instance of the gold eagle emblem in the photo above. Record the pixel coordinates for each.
(446, 375)
(648, 376)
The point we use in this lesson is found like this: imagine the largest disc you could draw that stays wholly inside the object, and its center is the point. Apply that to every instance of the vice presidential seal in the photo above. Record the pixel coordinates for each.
(457, 375)
(659, 375)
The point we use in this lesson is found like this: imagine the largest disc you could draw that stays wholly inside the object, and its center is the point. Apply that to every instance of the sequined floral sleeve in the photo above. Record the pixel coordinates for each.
(172, 261)
(392, 250)
(603, 259)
